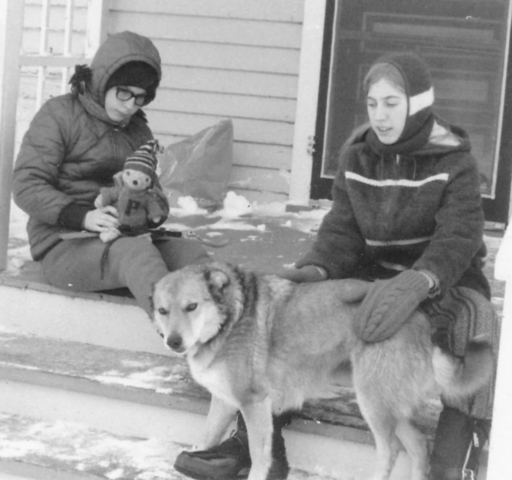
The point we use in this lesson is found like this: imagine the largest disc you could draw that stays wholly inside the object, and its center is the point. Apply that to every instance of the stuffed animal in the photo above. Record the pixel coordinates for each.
(139, 201)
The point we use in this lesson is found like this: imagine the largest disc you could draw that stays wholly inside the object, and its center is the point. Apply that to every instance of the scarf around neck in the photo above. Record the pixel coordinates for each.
(96, 110)
(409, 145)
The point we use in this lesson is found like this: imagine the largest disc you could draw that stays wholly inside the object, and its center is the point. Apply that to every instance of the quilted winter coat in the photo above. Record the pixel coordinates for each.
(72, 148)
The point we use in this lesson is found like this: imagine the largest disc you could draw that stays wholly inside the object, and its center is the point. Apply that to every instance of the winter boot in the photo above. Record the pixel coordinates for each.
(458, 444)
(231, 459)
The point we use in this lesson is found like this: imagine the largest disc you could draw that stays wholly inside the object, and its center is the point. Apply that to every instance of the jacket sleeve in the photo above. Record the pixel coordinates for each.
(459, 227)
(35, 177)
(339, 246)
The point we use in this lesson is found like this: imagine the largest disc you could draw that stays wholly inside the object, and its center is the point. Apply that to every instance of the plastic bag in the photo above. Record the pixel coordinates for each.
(199, 166)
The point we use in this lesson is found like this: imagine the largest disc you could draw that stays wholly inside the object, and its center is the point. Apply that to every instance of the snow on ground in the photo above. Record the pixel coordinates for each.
(19, 252)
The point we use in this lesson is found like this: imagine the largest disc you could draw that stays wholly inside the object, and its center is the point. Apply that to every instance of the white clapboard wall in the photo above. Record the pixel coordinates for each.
(221, 59)
(226, 59)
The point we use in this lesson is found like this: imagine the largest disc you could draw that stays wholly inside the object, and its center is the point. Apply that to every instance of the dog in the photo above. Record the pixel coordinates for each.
(263, 345)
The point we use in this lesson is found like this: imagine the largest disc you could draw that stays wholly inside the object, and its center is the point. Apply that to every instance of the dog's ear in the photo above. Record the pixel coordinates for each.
(217, 279)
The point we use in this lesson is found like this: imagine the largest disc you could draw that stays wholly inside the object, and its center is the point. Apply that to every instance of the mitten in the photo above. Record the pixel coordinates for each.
(388, 304)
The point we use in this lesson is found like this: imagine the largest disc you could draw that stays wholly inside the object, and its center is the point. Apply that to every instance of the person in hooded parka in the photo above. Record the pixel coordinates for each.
(74, 146)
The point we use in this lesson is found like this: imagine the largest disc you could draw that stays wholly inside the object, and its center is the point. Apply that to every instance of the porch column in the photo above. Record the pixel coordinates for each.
(307, 101)
(501, 433)
(11, 28)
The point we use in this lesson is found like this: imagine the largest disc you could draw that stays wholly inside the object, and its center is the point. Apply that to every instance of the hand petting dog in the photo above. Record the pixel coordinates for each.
(388, 304)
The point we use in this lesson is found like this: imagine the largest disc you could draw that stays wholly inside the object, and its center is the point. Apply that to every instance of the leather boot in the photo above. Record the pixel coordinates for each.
(458, 443)
(231, 459)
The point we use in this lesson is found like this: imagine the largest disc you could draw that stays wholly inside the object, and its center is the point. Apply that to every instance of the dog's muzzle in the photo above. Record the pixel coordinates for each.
(175, 343)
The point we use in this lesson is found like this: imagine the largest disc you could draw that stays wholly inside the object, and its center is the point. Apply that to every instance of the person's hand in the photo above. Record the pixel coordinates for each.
(388, 305)
(308, 273)
(101, 219)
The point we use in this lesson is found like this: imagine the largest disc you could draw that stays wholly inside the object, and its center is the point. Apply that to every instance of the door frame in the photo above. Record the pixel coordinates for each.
(496, 209)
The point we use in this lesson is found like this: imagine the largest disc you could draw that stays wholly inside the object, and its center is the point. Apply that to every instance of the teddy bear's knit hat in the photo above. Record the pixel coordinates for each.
(144, 159)
(418, 88)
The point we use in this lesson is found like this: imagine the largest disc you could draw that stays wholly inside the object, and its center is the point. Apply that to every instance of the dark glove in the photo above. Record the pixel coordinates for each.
(388, 304)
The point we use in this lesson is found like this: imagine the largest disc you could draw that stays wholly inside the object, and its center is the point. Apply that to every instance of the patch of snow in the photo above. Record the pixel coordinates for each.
(235, 206)
(230, 225)
(19, 250)
(150, 379)
(187, 206)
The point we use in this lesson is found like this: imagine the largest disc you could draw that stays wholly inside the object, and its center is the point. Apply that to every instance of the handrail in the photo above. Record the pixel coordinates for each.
(11, 27)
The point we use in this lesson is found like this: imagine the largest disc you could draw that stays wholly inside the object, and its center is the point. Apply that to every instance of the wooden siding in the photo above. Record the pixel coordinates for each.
(221, 59)
(226, 59)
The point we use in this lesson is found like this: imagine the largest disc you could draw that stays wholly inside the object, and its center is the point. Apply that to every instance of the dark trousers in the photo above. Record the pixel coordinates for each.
(132, 262)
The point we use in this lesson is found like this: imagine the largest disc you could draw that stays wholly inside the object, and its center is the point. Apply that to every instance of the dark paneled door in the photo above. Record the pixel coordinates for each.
(465, 43)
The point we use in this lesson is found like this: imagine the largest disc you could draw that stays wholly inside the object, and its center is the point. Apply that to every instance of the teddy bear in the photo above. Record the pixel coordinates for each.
(139, 201)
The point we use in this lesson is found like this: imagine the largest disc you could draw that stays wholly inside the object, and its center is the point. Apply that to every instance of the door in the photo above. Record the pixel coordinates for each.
(465, 44)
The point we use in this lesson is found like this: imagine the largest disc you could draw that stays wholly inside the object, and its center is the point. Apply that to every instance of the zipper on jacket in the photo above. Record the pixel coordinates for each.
(114, 138)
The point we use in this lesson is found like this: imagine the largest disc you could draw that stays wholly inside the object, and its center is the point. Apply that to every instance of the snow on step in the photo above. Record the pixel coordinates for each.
(73, 447)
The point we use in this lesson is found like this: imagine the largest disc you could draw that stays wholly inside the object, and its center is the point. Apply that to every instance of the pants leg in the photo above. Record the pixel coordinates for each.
(178, 253)
(457, 446)
(459, 317)
(464, 424)
(132, 262)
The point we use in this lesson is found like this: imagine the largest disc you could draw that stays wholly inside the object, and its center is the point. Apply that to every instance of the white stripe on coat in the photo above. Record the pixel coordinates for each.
(387, 243)
(443, 177)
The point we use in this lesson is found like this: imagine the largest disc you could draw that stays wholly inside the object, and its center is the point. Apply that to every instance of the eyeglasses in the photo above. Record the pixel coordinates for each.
(124, 95)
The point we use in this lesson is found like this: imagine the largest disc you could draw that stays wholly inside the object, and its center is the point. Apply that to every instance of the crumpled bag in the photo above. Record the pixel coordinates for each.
(199, 166)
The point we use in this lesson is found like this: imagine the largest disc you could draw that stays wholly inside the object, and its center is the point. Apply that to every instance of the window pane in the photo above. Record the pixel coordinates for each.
(465, 44)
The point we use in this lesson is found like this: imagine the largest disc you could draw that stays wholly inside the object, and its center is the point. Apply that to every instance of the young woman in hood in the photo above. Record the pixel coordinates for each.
(407, 214)
(74, 146)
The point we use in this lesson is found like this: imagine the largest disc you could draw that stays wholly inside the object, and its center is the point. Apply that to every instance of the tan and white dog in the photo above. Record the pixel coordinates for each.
(263, 345)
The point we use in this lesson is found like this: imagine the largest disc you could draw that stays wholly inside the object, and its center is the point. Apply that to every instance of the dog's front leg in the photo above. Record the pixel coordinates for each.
(258, 418)
(220, 415)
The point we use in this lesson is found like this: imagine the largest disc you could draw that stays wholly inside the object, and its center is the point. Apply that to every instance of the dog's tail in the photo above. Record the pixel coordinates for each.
(463, 377)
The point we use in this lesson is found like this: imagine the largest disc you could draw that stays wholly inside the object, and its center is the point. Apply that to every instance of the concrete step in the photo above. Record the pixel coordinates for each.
(150, 397)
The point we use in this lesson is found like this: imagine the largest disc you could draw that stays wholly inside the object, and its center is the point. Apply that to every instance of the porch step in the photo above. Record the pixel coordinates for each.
(146, 399)
(43, 450)
(33, 448)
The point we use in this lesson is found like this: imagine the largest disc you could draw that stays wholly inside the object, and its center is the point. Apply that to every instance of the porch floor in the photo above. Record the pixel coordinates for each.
(262, 241)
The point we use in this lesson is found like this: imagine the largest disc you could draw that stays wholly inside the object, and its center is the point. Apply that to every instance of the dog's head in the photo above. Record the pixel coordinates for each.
(194, 305)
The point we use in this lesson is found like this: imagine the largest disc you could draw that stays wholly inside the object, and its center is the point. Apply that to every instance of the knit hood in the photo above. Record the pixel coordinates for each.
(117, 50)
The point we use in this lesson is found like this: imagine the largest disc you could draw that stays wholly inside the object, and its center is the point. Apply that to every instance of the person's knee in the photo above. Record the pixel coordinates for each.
(194, 253)
(181, 252)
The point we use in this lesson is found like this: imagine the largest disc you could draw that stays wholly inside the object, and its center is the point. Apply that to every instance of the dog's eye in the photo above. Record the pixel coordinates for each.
(191, 307)
(163, 311)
